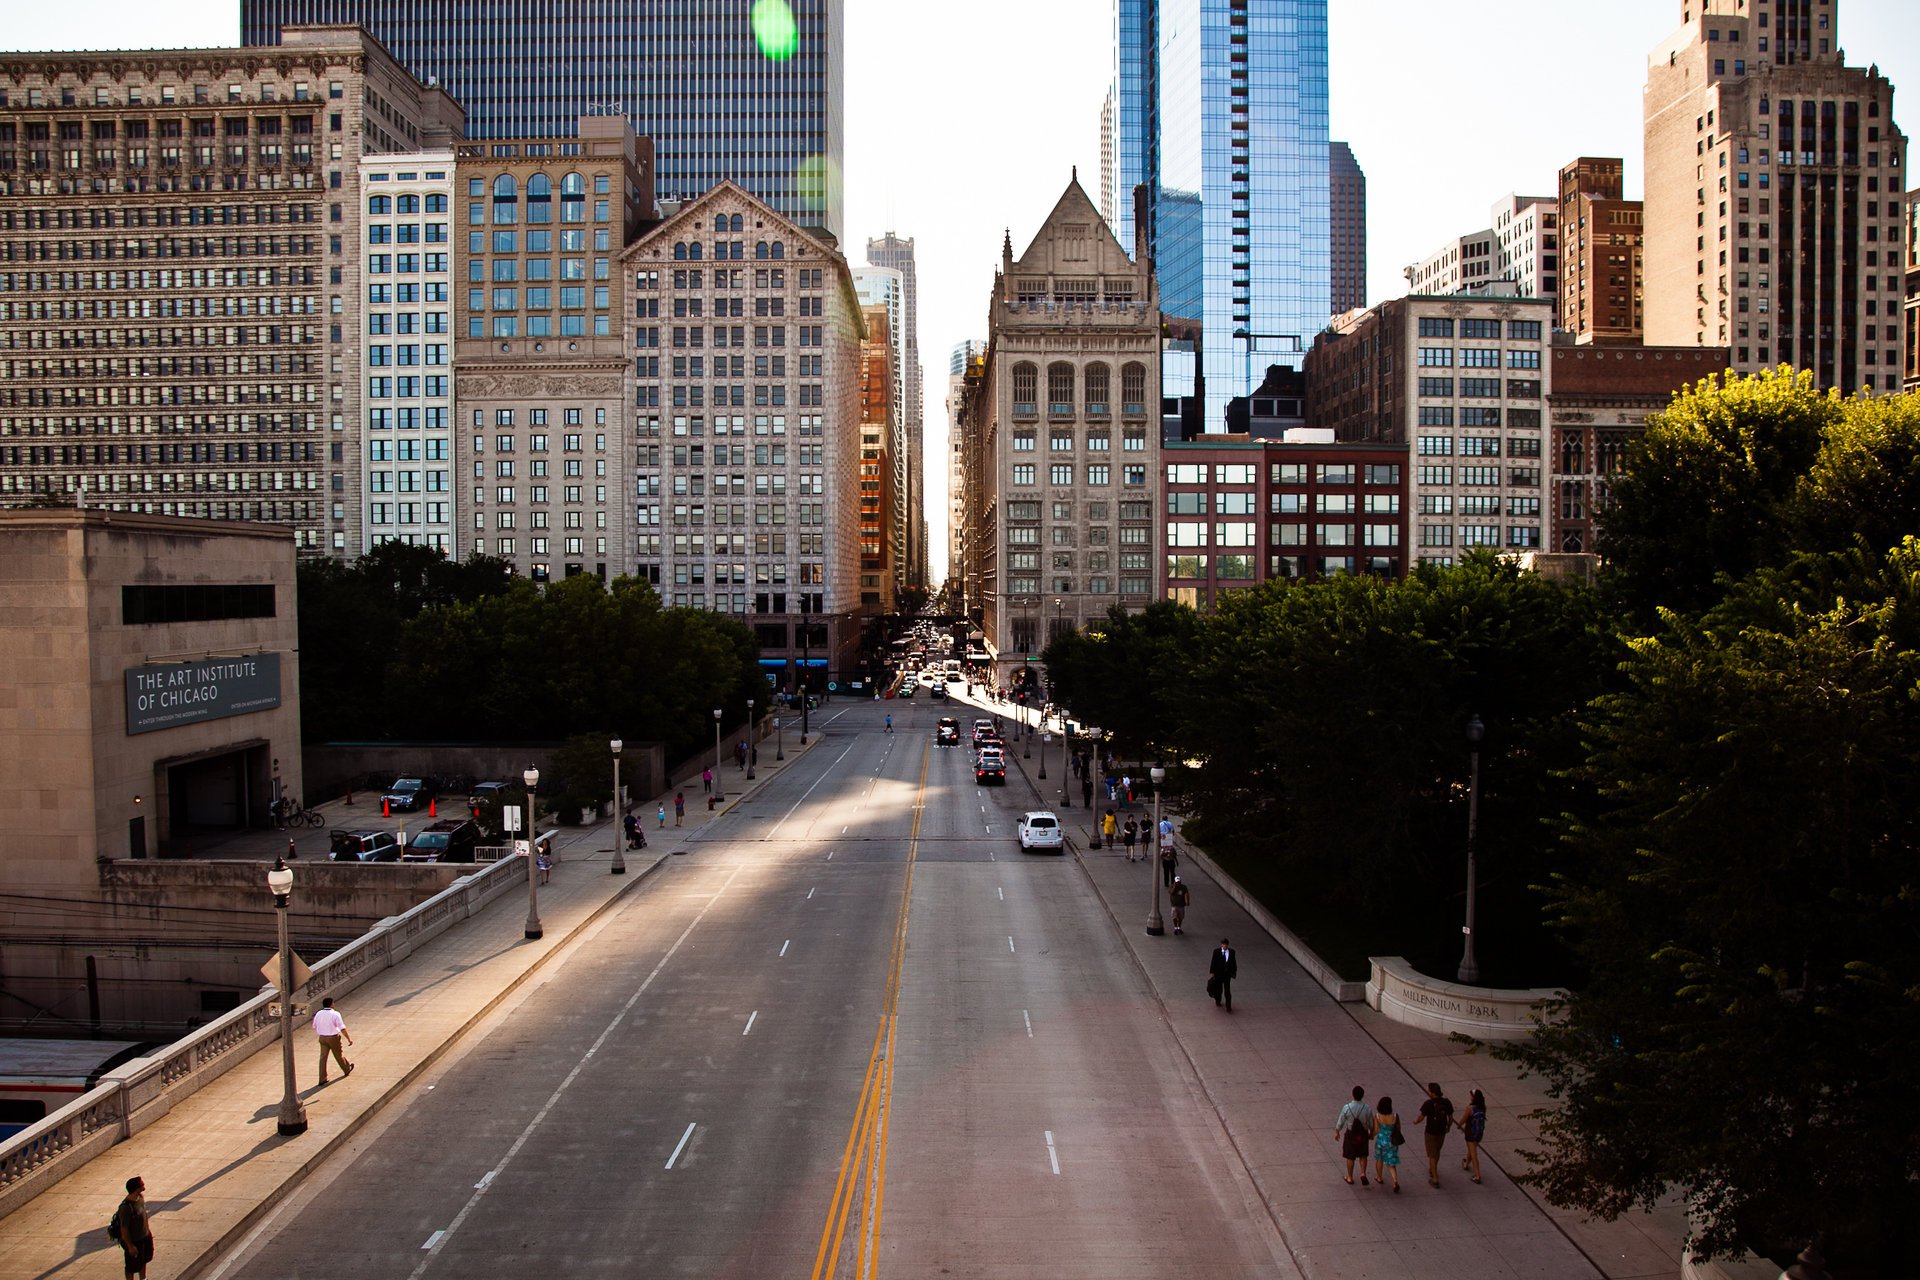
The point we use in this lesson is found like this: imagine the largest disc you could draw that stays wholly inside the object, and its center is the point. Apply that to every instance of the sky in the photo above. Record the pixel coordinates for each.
(966, 123)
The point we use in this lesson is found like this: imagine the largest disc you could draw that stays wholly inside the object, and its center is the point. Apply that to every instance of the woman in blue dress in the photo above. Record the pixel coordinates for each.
(1386, 1153)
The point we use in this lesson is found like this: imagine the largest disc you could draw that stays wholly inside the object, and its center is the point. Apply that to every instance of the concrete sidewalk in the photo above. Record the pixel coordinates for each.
(216, 1164)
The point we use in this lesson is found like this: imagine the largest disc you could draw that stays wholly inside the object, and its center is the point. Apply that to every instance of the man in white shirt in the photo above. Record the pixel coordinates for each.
(331, 1029)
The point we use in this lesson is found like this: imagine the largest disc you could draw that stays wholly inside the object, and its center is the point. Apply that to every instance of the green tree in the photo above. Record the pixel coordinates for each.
(1745, 900)
(1864, 485)
(1124, 674)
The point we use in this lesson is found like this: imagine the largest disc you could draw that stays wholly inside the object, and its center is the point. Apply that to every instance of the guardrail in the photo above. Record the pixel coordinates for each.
(140, 1092)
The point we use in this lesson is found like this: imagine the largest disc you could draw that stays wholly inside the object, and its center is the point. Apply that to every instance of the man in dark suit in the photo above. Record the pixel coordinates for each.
(1224, 966)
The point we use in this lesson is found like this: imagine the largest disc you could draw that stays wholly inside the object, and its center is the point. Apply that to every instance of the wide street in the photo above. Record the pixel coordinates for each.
(854, 1027)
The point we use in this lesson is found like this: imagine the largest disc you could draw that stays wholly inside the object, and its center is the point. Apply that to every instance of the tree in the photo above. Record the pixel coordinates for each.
(1124, 674)
(1745, 900)
(1863, 487)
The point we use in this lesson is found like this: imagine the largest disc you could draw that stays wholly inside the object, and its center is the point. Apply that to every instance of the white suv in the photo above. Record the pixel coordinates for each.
(1041, 830)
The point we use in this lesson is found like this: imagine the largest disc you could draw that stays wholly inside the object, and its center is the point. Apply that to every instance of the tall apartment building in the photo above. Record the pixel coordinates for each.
(966, 363)
(879, 403)
(180, 272)
(882, 292)
(695, 78)
(1061, 506)
(1775, 180)
(406, 322)
(746, 429)
(1220, 109)
(1464, 262)
(1520, 247)
(896, 253)
(1601, 258)
(541, 351)
(1346, 229)
(1460, 382)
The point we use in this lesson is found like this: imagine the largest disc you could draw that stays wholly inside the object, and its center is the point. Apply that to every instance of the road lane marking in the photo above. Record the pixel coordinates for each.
(689, 1133)
(526, 1134)
(485, 1179)
(1002, 892)
(750, 1018)
(829, 855)
(433, 1240)
(1053, 1157)
(809, 791)
(1009, 942)
(810, 895)
(1028, 1019)
(843, 830)
(784, 946)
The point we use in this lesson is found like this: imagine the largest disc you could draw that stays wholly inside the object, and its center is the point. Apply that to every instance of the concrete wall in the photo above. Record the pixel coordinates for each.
(333, 767)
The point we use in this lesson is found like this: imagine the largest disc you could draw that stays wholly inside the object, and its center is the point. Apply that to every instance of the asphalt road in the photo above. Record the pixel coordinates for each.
(855, 1032)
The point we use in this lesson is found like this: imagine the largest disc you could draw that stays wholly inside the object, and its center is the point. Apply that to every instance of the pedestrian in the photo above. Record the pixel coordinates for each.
(1127, 835)
(889, 722)
(1126, 791)
(544, 864)
(1438, 1114)
(1224, 967)
(1179, 897)
(1353, 1127)
(330, 1028)
(679, 808)
(706, 781)
(1474, 1125)
(660, 813)
(740, 754)
(632, 825)
(1086, 790)
(1108, 829)
(1387, 1139)
(132, 1230)
(1169, 860)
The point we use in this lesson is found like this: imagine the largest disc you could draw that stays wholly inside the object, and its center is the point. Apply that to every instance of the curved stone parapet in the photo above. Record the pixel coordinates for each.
(1406, 995)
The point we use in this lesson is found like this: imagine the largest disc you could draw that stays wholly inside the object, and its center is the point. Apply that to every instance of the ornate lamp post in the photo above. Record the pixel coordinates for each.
(1154, 925)
(718, 786)
(619, 834)
(751, 726)
(532, 778)
(1470, 967)
(293, 1115)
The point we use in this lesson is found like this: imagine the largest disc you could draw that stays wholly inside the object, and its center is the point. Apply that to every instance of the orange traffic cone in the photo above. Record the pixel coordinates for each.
(386, 809)
(349, 797)
(433, 810)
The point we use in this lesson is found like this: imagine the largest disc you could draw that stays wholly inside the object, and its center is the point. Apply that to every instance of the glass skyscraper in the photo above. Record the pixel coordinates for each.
(717, 102)
(1220, 108)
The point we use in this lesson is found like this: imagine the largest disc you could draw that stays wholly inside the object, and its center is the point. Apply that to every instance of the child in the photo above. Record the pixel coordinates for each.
(545, 863)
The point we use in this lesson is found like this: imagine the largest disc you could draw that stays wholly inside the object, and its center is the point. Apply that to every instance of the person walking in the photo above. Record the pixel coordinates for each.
(1086, 789)
(1128, 834)
(132, 1230)
(1224, 966)
(1353, 1128)
(706, 781)
(1108, 828)
(1177, 898)
(889, 722)
(1474, 1125)
(1169, 860)
(679, 808)
(1386, 1142)
(330, 1028)
(1438, 1114)
(1126, 791)
(631, 825)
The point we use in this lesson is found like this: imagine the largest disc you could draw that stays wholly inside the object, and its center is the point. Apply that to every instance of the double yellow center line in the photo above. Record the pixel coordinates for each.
(861, 1188)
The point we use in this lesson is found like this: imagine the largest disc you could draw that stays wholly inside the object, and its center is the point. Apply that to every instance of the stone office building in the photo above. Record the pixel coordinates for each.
(180, 254)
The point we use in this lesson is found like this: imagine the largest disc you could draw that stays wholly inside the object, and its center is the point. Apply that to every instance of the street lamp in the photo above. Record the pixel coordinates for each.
(719, 788)
(1470, 967)
(619, 834)
(293, 1116)
(806, 664)
(1154, 926)
(779, 739)
(1045, 738)
(751, 726)
(532, 778)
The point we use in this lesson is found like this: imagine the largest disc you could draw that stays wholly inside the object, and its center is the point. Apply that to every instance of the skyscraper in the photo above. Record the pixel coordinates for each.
(1220, 108)
(893, 252)
(1774, 219)
(717, 100)
(1347, 229)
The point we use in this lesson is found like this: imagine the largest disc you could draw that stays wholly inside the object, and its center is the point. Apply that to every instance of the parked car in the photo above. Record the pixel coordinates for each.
(448, 840)
(407, 794)
(487, 793)
(1040, 830)
(363, 846)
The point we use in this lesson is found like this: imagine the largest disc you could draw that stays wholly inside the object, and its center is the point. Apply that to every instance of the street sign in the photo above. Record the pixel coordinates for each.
(271, 971)
(520, 848)
(833, 686)
(510, 817)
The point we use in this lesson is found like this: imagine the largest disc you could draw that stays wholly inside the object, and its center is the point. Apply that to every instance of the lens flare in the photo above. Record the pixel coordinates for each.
(774, 29)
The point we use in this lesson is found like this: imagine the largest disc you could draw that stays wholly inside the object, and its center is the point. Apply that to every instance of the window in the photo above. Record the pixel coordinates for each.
(1023, 473)
(1480, 328)
(1436, 327)
(1436, 357)
(1026, 388)
(1060, 388)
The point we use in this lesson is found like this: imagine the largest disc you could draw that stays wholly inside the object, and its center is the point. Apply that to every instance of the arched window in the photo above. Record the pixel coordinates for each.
(720, 222)
(1026, 388)
(759, 249)
(693, 251)
(1098, 391)
(407, 204)
(779, 249)
(679, 250)
(734, 223)
(1060, 388)
(506, 201)
(539, 199)
(573, 198)
(1133, 388)
(379, 204)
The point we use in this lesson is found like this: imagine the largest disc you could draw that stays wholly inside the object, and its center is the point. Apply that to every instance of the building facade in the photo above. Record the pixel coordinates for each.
(1062, 504)
(1220, 109)
(1774, 204)
(541, 353)
(1521, 248)
(895, 253)
(717, 98)
(1599, 405)
(1465, 262)
(181, 268)
(1346, 230)
(1461, 383)
(882, 293)
(746, 429)
(965, 364)
(1912, 381)
(879, 403)
(1602, 259)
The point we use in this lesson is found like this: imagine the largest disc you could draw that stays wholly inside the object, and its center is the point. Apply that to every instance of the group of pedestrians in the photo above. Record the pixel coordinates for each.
(1362, 1130)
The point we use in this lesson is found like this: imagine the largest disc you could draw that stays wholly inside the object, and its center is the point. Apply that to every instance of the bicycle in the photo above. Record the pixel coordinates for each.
(295, 814)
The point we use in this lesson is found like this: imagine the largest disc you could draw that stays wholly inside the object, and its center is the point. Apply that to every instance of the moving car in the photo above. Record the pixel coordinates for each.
(1040, 831)
(990, 766)
(947, 732)
(363, 846)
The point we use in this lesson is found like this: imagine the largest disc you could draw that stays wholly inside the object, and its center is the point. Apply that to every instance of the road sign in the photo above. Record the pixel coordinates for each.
(271, 971)
(510, 817)
(832, 687)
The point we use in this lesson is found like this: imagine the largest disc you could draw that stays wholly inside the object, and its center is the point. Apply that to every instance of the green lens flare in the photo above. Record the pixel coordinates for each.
(774, 29)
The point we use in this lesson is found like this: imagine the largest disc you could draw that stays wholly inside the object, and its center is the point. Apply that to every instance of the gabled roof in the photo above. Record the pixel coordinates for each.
(1074, 210)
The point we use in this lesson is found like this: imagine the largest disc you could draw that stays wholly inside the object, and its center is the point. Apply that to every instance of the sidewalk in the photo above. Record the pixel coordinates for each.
(1279, 1067)
(215, 1165)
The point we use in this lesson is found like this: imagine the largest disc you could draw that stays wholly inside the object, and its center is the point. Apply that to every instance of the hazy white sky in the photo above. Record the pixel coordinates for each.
(964, 121)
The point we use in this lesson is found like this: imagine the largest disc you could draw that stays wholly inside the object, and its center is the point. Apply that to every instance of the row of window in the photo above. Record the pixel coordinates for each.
(1477, 357)
(1444, 327)
(1482, 388)
(1061, 474)
(1373, 473)
(1097, 441)
(1478, 535)
(1095, 380)
(435, 202)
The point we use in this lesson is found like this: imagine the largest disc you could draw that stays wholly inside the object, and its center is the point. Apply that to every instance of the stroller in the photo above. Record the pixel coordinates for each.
(636, 834)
